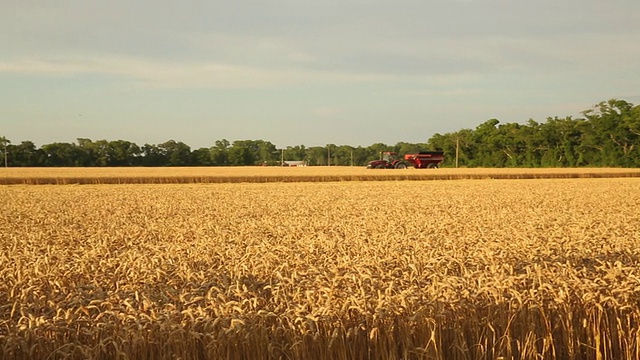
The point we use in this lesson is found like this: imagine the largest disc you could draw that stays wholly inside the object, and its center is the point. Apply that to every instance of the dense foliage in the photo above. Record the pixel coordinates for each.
(607, 135)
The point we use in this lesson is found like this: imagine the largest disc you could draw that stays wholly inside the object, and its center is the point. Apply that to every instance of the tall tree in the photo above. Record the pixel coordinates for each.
(487, 145)
(243, 153)
(220, 152)
(152, 155)
(614, 125)
(4, 143)
(266, 153)
(446, 143)
(176, 153)
(297, 153)
(26, 154)
(63, 154)
(123, 153)
(201, 157)
(512, 144)
(317, 155)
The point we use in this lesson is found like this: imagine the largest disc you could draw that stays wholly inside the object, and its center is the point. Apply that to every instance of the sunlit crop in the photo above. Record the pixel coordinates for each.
(259, 174)
(468, 269)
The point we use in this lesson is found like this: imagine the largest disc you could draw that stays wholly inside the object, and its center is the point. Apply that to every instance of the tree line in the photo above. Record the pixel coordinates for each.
(607, 135)
(86, 152)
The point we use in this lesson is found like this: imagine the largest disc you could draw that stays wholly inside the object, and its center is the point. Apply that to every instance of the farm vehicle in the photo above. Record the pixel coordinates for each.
(419, 160)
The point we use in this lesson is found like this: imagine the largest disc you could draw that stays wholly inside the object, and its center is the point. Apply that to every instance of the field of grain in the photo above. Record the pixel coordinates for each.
(258, 174)
(468, 269)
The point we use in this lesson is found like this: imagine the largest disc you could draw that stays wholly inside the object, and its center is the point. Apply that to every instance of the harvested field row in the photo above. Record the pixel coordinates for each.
(528, 269)
(66, 176)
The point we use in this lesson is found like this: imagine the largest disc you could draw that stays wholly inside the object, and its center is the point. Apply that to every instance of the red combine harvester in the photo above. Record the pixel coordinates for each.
(420, 160)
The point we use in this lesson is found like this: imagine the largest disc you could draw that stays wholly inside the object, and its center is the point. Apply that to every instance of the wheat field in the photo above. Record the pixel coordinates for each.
(258, 174)
(467, 269)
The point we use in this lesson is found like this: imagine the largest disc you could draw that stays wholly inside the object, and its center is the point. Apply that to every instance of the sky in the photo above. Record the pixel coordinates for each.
(301, 72)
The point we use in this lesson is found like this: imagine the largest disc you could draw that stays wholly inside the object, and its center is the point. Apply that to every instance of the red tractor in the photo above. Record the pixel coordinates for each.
(420, 160)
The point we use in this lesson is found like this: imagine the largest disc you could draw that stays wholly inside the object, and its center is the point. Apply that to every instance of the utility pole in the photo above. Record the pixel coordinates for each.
(351, 157)
(328, 155)
(282, 157)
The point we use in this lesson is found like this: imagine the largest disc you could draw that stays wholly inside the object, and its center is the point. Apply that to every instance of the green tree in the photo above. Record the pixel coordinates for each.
(613, 131)
(152, 155)
(297, 153)
(511, 144)
(488, 152)
(4, 143)
(376, 150)
(201, 157)
(123, 153)
(466, 148)
(266, 153)
(360, 156)
(220, 152)
(89, 156)
(317, 155)
(176, 153)
(26, 154)
(243, 153)
(409, 148)
(534, 144)
(446, 143)
(342, 155)
(63, 154)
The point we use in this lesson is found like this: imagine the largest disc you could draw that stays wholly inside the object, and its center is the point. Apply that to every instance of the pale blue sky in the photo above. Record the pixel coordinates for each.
(351, 72)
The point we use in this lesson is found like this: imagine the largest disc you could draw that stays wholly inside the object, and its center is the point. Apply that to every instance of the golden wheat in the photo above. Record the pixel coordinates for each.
(258, 174)
(485, 269)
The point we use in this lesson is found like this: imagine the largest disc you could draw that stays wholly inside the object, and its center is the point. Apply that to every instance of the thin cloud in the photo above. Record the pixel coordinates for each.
(438, 92)
(327, 111)
(181, 75)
